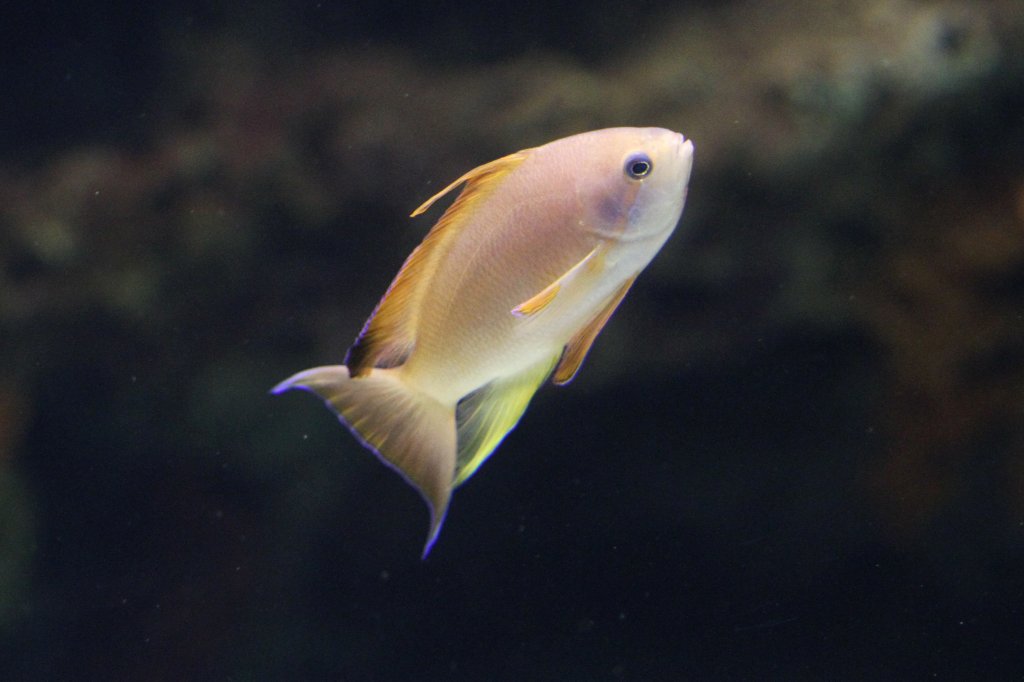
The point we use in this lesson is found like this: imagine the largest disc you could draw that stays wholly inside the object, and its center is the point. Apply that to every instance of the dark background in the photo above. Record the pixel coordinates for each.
(797, 451)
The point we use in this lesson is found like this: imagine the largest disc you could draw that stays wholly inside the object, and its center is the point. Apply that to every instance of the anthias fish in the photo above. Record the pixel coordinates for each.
(510, 287)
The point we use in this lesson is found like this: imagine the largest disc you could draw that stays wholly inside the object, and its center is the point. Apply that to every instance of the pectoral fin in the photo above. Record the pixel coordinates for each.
(537, 303)
(578, 347)
(533, 305)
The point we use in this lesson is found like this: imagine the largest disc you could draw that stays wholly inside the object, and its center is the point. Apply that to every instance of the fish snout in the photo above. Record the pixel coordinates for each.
(685, 148)
(684, 156)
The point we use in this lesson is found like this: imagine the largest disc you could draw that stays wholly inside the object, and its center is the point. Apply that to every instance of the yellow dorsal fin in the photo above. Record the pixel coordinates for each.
(487, 415)
(497, 167)
(578, 347)
(390, 333)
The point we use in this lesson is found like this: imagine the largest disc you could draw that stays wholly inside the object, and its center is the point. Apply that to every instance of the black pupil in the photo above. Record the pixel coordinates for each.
(639, 168)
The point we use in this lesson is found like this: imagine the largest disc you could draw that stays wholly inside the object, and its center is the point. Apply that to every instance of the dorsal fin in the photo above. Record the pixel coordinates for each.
(390, 333)
(498, 167)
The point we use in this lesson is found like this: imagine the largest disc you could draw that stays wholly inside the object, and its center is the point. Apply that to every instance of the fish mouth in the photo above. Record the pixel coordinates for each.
(684, 152)
(685, 147)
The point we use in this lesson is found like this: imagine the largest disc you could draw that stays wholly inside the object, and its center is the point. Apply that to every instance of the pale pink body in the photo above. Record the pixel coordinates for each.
(515, 280)
(544, 218)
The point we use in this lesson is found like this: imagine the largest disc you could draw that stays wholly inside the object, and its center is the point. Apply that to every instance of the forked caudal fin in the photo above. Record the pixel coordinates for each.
(410, 431)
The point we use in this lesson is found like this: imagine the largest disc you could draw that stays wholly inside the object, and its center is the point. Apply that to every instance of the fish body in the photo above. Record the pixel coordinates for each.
(511, 286)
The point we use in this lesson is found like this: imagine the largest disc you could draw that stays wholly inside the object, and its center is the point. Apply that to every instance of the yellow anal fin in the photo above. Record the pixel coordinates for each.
(488, 414)
(578, 347)
(411, 432)
(590, 263)
(390, 333)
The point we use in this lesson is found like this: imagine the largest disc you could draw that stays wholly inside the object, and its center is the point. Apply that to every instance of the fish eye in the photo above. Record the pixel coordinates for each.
(638, 166)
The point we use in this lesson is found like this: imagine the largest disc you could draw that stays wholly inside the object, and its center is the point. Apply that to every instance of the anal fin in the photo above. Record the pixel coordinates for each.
(488, 414)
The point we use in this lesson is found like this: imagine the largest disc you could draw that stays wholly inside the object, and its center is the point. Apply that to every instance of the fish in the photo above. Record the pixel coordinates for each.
(510, 287)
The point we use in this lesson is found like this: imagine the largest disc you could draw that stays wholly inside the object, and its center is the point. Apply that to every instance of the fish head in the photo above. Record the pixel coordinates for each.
(632, 185)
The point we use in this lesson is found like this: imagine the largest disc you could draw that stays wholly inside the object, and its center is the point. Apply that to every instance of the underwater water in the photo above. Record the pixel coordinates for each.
(795, 452)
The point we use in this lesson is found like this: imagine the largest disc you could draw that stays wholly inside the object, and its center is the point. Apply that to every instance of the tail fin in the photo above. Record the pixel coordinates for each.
(410, 431)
